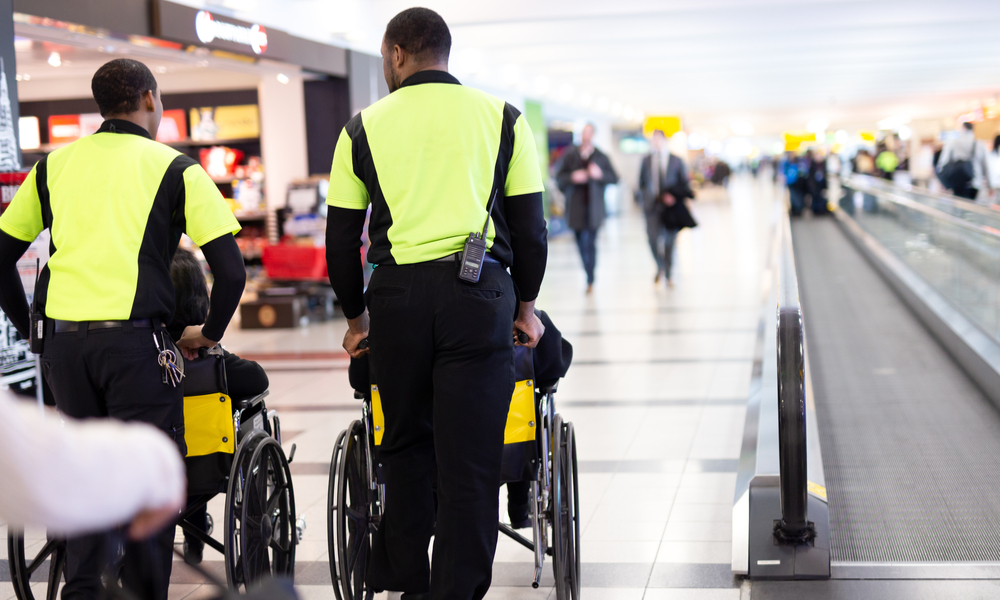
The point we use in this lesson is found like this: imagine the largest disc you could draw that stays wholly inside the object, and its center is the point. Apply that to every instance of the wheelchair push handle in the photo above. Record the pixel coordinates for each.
(363, 344)
(522, 337)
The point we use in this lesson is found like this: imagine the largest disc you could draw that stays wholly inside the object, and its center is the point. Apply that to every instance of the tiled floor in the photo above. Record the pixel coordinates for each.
(657, 395)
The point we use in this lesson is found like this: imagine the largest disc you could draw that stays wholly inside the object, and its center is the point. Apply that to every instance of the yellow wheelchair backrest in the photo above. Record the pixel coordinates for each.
(209, 427)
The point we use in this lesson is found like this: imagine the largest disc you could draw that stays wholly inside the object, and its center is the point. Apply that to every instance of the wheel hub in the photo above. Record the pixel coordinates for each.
(266, 528)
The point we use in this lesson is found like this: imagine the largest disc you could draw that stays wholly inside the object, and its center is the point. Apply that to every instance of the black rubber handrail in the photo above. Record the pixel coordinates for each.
(794, 527)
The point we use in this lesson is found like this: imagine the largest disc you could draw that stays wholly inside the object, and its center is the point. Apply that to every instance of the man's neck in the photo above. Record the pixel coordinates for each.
(138, 119)
(435, 67)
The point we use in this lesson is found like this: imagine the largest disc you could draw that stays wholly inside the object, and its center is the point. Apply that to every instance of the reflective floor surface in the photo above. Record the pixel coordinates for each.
(657, 394)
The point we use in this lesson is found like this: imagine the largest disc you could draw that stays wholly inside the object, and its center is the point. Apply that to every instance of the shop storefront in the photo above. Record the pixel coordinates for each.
(259, 108)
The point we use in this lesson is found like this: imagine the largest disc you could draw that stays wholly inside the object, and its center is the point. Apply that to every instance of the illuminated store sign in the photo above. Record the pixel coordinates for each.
(208, 28)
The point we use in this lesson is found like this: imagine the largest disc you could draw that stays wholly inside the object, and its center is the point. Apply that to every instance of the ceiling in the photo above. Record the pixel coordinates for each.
(40, 77)
(772, 64)
(725, 66)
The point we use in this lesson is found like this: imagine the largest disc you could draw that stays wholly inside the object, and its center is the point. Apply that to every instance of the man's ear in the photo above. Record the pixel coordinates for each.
(149, 100)
(399, 56)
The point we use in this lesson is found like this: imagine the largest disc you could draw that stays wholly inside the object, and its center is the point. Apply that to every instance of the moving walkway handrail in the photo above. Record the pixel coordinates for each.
(886, 186)
(935, 213)
(794, 527)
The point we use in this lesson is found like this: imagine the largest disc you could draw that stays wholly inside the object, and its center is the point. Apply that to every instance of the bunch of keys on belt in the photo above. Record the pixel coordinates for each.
(167, 360)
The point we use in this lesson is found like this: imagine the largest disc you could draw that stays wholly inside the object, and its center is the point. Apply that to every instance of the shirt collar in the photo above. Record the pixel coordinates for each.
(123, 126)
(430, 76)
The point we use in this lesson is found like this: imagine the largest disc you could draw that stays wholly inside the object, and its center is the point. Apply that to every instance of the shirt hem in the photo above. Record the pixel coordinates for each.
(215, 234)
(520, 191)
(348, 204)
(14, 232)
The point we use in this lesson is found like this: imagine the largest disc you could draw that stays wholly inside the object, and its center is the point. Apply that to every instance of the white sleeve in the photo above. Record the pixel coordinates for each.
(78, 476)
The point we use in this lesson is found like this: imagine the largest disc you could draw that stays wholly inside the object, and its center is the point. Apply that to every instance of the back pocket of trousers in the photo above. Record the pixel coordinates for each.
(485, 294)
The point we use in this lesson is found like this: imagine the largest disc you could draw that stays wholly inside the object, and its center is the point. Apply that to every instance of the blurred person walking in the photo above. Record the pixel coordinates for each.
(583, 174)
(993, 170)
(886, 161)
(660, 172)
(796, 178)
(817, 183)
(962, 165)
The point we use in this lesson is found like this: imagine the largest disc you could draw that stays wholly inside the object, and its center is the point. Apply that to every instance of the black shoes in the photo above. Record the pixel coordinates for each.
(193, 551)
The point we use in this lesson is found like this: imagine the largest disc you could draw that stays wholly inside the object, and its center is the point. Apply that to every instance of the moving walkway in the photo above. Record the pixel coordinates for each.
(891, 428)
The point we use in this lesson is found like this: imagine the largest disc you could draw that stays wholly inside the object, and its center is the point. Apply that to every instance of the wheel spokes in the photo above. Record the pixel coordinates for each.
(49, 547)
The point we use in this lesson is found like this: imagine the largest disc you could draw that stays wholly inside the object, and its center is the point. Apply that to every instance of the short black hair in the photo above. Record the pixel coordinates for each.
(967, 125)
(421, 32)
(996, 143)
(190, 290)
(118, 86)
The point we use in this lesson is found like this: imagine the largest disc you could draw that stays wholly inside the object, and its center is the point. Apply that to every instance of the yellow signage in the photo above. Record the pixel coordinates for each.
(667, 124)
(795, 139)
(867, 136)
(225, 123)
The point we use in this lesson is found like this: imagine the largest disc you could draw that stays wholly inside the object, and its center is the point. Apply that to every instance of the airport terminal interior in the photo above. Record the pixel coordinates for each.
(803, 404)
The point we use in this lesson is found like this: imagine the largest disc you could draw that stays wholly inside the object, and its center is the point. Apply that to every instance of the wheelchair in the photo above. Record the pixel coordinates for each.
(234, 447)
(543, 455)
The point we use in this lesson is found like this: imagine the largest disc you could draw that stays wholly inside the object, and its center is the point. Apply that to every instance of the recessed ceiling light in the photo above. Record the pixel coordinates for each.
(282, 78)
(54, 59)
(161, 69)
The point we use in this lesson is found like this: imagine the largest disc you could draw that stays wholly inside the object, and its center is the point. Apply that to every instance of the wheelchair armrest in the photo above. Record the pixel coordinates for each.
(245, 403)
(549, 389)
(359, 395)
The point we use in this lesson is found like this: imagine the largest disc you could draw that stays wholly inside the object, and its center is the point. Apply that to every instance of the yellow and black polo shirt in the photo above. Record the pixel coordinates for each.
(116, 203)
(427, 158)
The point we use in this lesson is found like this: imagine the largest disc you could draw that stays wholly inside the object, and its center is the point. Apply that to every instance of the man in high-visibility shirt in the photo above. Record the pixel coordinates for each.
(427, 159)
(116, 203)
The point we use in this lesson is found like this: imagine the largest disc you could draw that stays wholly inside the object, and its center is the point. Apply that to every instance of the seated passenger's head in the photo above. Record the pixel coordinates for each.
(190, 290)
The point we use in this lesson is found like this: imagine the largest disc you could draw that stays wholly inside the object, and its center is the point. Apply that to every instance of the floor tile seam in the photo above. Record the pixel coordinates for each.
(670, 511)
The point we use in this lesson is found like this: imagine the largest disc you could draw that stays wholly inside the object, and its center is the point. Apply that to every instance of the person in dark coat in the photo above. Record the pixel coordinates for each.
(660, 172)
(582, 176)
(817, 183)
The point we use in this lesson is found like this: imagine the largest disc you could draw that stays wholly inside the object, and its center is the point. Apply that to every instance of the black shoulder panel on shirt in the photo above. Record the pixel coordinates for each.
(380, 251)
(501, 249)
(154, 292)
(42, 187)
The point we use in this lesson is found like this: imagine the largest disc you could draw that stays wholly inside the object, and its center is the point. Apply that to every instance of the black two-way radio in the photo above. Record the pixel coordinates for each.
(474, 253)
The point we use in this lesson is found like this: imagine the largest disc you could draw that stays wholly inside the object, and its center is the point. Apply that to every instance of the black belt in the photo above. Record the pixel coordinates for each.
(74, 326)
(458, 256)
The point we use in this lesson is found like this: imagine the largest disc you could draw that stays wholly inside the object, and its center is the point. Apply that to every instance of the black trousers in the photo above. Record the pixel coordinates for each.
(442, 356)
(114, 373)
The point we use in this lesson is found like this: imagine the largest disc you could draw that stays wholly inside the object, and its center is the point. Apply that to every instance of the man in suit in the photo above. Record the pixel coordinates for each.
(660, 173)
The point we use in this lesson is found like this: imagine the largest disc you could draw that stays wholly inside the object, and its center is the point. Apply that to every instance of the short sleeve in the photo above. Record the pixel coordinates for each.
(23, 218)
(206, 212)
(346, 190)
(524, 175)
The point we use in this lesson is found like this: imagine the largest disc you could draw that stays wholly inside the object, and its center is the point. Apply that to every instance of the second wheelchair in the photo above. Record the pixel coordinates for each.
(539, 448)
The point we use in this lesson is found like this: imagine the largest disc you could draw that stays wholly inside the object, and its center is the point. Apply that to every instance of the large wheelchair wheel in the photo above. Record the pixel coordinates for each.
(25, 569)
(354, 514)
(260, 514)
(565, 511)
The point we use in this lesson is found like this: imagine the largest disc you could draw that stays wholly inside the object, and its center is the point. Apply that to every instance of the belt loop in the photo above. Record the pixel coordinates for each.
(127, 326)
(81, 331)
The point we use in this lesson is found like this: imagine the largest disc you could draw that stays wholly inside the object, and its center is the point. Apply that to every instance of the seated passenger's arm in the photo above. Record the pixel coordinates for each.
(13, 302)
(230, 276)
(76, 477)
